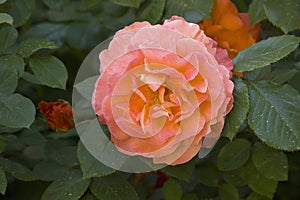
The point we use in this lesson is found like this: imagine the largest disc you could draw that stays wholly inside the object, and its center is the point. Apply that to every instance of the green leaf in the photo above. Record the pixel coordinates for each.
(16, 111)
(257, 182)
(31, 78)
(8, 37)
(13, 61)
(271, 163)
(228, 191)
(50, 31)
(3, 181)
(265, 52)
(29, 46)
(112, 187)
(8, 80)
(275, 114)
(191, 10)
(238, 114)
(6, 18)
(152, 11)
(89, 3)
(86, 87)
(284, 14)
(182, 172)
(67, 188)
(127, 3)
(55, 3)
(255, 196)
(17, 170)
(256, 11)
(90, 166)
(20, 10)
(2, 1)
(281, 76)
(49, 70)
(66, 156)
(235, 177)
(172, 190)
(50, 171)
(208, 176)
(234, 154)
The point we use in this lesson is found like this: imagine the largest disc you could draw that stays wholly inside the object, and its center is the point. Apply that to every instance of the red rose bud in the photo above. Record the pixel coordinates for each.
(59, 115)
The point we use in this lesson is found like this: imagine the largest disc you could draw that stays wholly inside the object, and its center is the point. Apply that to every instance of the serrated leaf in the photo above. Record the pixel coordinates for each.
(281, 76)
(152, 11)
(17, 170)
(112, 187)
(228, 191)
(284, 14)
(20, 10)
(127, 3)
(8, 80)
(265, 52)
(234, 154)
(3, 181)
(256, 11)
(68, 188)
(86, 87)
(13, 61)
(16, 111)
(257, 182)
(238, 114)
(275, 114)
(172, 190)
(8, 37)
(6, 18)
(191, 10)
(49, 70)
(90, 166)
(182, 172)
(271, 163)
(28, 47)
(50, 31)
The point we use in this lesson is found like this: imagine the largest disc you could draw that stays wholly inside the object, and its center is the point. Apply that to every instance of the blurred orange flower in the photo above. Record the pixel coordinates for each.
(59, 115)
(231, 29)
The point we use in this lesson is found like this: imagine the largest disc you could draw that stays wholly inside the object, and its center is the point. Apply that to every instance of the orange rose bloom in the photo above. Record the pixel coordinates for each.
(231, 29)
(59, 115)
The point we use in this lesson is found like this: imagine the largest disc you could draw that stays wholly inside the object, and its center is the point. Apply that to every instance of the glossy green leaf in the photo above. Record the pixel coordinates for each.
(234, 154)
(257, 182)
(228, 191)
(29, 46)
(265, 52)
(6, 18)
(55, 3)
(182, 172)
(284, 14)
(112, 187)
(16, 111)
(275, 114)
(20, 10)
(8, 80)
(152, 10)
(8, 37)
(13, 61)
(127, 3)
(49, 70)
(191, 10)
(68, 188)
(90, 166)
(50, 31)
(172, 190)
(256, 11)
(238, 114)
(271, 163)
(3, 181)
(17, 170)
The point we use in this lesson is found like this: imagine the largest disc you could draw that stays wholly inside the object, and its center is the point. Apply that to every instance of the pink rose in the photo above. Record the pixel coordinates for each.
(163, 90)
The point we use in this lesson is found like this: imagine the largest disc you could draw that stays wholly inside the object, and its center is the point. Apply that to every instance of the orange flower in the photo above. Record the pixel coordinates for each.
(59, 115)
(231, 29)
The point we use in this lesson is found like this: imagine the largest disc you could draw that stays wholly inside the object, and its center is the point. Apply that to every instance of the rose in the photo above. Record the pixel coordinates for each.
(231, 29)
(163, 90)
(59, 115)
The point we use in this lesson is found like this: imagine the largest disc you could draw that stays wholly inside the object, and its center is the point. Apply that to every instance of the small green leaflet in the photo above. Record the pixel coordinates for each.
(172, 190)
(29, 46)
(152, 10)
(228, 191)
(6, 18)
(3, 181)
(8, 37)
(256, 11)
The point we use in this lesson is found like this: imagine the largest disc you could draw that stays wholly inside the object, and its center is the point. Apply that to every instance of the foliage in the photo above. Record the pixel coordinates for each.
(43, 43)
